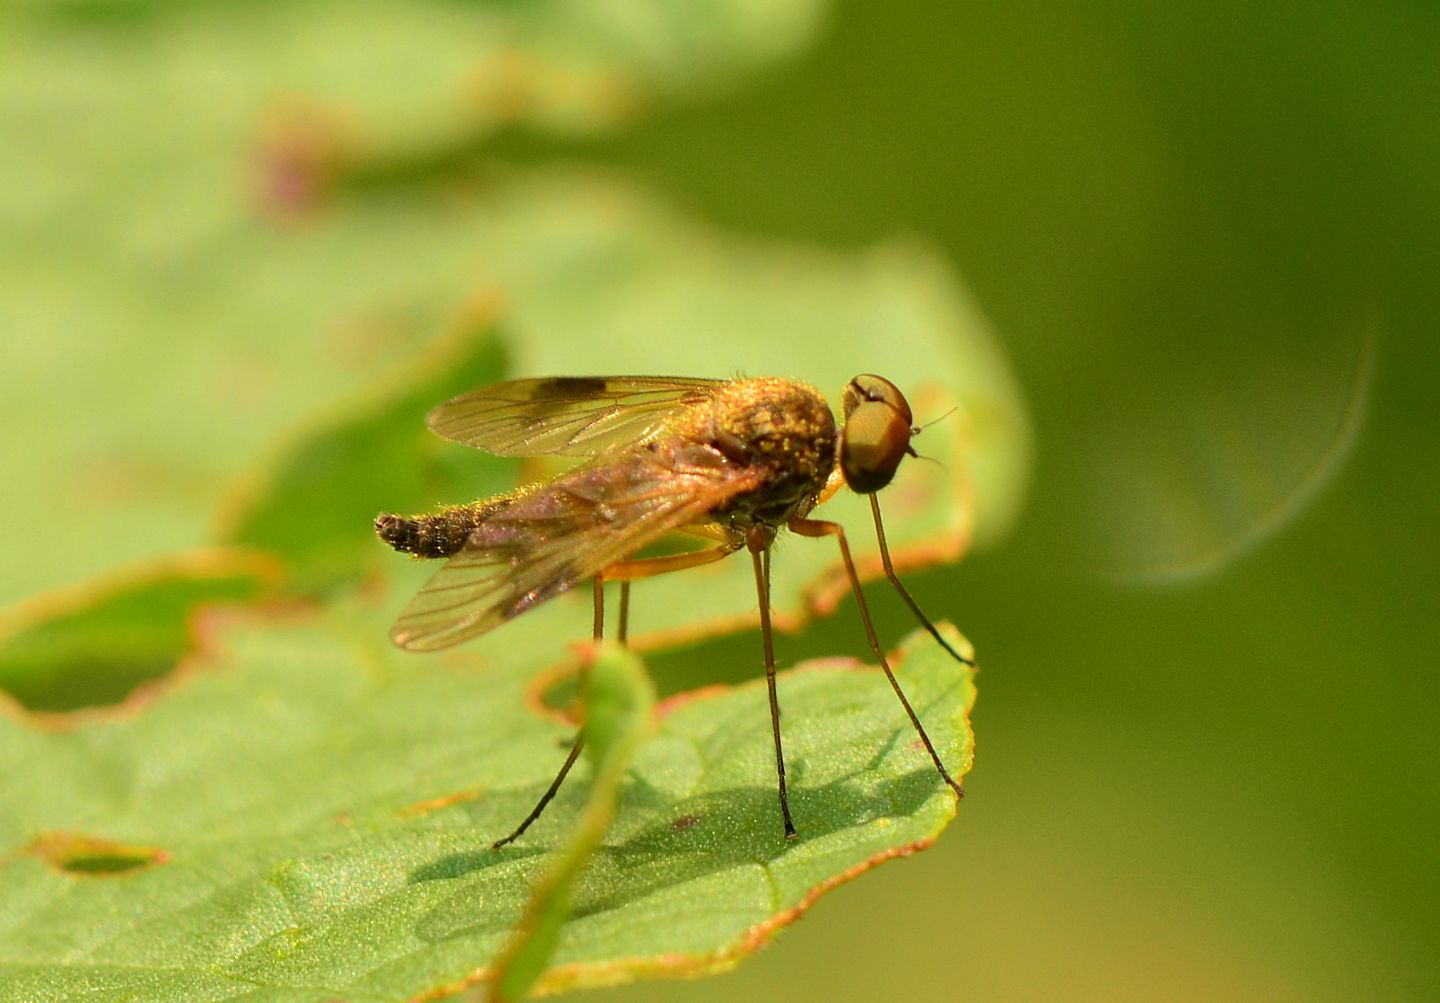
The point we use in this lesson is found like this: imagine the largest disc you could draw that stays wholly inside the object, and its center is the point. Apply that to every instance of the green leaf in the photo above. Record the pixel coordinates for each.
(309, 817)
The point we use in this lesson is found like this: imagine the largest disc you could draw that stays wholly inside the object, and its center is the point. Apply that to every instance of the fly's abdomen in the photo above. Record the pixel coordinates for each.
(439, 535)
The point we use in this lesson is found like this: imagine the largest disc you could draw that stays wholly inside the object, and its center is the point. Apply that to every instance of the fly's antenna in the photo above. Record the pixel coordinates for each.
(916, 430)
(934, 421)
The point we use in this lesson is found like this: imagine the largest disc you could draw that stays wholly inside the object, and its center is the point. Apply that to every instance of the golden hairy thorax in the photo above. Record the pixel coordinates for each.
(784, 428)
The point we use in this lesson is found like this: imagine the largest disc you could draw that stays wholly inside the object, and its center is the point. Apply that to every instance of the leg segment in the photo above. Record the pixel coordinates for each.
(622, 633)
(579, 744)
(819, 527)
(649, 567)
(762, 588)
(904, 592)
(549, 794)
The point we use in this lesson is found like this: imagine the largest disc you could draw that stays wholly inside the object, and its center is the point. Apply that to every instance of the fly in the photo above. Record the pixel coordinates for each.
(730, 461)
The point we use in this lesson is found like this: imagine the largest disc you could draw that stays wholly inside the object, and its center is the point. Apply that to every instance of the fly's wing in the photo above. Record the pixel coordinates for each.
(565, 415)
(534, 545)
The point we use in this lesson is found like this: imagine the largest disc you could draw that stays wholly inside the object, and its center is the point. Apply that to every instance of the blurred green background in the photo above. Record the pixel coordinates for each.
(1208, 240)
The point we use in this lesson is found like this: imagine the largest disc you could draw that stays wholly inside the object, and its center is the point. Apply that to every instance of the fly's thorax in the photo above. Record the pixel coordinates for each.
(784, 428)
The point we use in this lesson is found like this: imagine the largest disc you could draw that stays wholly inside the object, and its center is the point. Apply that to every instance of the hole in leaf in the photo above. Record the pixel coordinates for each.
(94, 646)
(91, 856)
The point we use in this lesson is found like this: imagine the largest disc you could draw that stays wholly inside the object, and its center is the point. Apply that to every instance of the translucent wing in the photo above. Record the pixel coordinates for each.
(565, 415)
(536, 544)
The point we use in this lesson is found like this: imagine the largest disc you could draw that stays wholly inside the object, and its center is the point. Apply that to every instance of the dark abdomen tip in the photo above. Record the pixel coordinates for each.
(401, 533)
(426, 535)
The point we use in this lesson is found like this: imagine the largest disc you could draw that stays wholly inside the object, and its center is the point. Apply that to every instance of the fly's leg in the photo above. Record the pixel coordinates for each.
(545, 798)
(819, 527)
(760, 556)
(624, 572)
(904, 592)
(579, 744)
(622, 632)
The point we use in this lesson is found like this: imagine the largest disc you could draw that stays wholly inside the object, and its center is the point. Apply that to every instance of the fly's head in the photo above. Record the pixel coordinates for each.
(877, 432)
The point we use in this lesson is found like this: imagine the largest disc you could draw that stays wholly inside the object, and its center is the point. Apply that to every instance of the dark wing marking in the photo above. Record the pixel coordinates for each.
(534, 545)
(565, 415)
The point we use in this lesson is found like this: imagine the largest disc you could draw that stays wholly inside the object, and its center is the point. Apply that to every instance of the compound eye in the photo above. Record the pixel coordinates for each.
(877, 433)
(868, 388)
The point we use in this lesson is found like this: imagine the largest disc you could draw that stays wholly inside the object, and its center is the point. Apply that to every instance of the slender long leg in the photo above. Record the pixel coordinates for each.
(549, 794)
(819, 527)
(625, 572)
(577, 746)
(762, 589)
(904, 592)
(598, 585)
